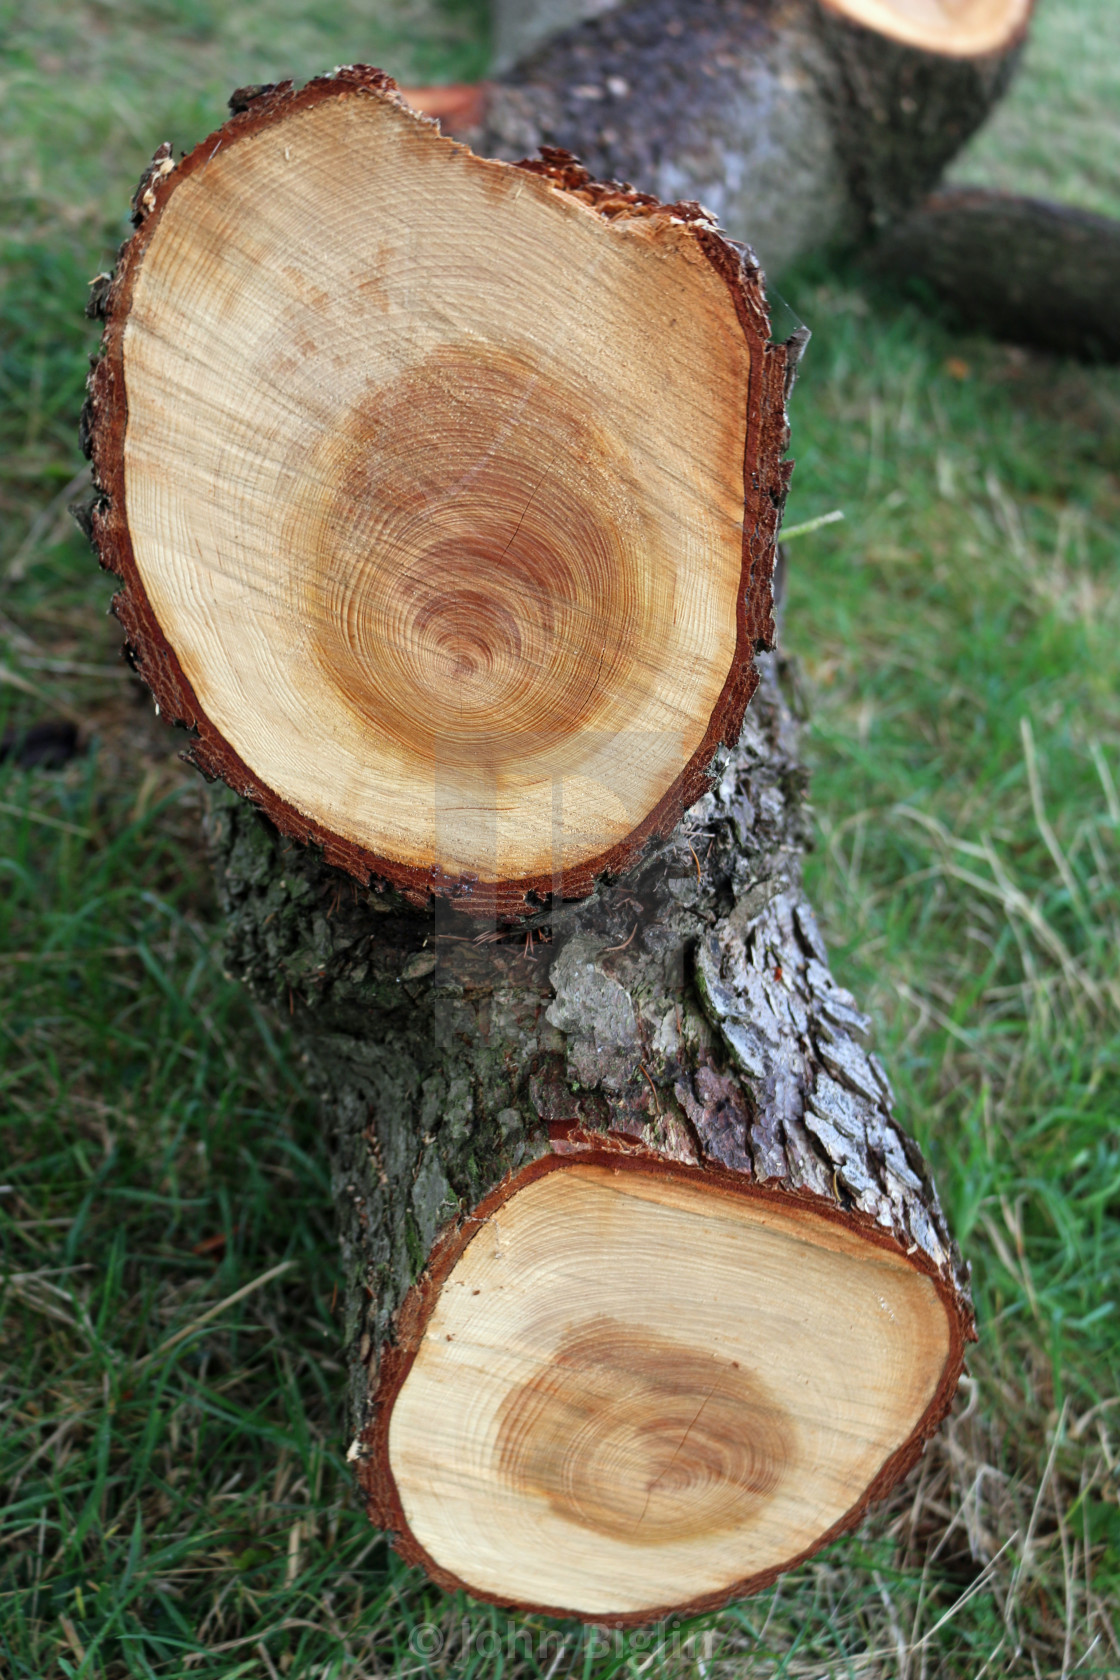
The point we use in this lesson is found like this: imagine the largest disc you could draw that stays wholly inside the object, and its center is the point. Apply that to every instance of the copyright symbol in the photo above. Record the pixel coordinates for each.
(425, 1640)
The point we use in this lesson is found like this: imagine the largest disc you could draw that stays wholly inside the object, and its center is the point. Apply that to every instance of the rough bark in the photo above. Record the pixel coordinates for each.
(686, 1012)
(796, 127)
(1020, 268)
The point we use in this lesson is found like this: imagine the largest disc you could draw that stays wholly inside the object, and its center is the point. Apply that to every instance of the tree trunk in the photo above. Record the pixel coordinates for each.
(800, 123)
(647, 1296)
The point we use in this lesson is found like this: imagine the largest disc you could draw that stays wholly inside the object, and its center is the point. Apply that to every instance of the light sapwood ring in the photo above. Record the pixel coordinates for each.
(444, 491)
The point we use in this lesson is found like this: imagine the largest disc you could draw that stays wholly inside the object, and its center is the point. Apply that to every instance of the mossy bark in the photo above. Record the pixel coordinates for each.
(687, 1006)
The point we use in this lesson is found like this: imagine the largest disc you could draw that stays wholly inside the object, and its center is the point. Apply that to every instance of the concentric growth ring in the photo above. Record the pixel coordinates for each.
(474, 599)
(644, 1438)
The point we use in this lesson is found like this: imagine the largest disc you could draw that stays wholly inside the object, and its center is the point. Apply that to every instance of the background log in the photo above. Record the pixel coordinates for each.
(797, 126)
(962, 30)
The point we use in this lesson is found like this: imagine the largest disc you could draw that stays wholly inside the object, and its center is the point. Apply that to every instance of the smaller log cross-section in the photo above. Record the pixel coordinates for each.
(443, 490)
(643, 1386)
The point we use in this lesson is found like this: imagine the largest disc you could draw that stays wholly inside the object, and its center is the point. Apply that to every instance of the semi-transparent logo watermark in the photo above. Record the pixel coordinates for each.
(466, 1641)
(572, 827)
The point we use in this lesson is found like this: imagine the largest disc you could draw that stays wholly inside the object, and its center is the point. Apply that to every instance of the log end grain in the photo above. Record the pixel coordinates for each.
(955, 28)
(443, 491)
(627, 1387)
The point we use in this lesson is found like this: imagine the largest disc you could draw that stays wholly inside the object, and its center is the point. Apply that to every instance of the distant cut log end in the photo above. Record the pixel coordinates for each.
(956, 28)
(445, 505)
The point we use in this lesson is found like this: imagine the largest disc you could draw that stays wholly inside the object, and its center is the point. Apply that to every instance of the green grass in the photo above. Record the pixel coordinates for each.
(176, 1499)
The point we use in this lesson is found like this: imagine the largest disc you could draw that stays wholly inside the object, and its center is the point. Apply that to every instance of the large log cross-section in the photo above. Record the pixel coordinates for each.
(444, 496)
(520, 542)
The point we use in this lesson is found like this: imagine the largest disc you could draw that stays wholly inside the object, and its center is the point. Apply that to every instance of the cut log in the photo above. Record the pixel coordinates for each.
(1019, 268)
(444, 501)
(647, 1294)
(802, 124)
